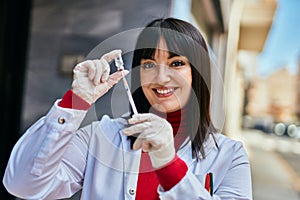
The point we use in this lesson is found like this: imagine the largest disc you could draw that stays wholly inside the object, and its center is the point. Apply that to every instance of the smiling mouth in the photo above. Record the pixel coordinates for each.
(164, 92)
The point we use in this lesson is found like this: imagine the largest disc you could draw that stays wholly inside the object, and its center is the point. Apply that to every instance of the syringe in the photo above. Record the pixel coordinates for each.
(120, 66)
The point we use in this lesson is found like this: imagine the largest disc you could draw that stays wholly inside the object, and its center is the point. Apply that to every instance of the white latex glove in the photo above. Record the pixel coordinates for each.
(155, 136)
(91, 77)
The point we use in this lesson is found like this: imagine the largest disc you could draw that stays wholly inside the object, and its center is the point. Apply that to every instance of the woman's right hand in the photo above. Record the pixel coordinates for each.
(92, 79)
(155, 135)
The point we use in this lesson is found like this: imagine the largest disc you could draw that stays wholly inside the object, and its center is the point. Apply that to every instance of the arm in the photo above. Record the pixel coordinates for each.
(235, 185)
(48, 161)
(35, 168)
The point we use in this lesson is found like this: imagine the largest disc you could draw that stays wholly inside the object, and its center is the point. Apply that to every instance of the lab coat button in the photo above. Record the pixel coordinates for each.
(131, 191)
(61, 120)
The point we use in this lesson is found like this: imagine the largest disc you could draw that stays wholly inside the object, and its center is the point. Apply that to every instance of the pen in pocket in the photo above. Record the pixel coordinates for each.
(209, 185)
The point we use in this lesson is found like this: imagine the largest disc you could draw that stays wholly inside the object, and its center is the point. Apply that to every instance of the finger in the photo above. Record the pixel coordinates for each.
(107, 85)
(137, 144)
(88, 67)
(99, 70)
(106, 71)
(91, 67)
(112, 55)
(138, 128)
(146, 146)
(115, 77)
(151, 132)
(141, 118)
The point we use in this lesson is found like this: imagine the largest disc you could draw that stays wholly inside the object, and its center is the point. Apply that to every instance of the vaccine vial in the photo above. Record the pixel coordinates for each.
(119, 63)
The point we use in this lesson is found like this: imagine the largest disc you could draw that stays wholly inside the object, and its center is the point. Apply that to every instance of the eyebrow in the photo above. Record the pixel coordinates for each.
(171, 55)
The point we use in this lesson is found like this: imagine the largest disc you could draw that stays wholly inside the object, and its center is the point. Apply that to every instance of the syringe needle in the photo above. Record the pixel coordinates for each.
(129, 94)
(120, 65)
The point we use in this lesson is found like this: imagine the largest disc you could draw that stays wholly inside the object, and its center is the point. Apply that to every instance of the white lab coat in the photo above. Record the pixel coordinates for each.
(54, 160)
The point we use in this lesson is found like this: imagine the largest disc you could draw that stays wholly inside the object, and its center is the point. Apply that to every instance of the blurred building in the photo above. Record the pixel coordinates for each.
(298, 91)
(233, 26)
(274, 96)
(282, 93)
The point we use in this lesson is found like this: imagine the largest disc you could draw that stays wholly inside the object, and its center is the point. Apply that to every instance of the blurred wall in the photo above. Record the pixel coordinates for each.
(69, 30)
(14, 21)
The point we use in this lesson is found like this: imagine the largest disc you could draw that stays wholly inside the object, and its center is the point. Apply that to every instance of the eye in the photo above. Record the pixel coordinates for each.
(148, 65)
(177, 63)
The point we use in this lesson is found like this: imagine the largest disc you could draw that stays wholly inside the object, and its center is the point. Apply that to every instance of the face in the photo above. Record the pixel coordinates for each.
(166, 79)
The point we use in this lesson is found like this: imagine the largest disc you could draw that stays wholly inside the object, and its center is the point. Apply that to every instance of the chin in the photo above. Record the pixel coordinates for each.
(165, 108)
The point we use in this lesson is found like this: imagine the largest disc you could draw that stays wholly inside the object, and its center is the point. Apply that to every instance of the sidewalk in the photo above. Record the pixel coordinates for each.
(271, 176)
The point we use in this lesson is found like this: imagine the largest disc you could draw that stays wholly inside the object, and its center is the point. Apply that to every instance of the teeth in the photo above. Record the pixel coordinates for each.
(164, 91)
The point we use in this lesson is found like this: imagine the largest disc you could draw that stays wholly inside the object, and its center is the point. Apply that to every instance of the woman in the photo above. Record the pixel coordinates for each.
(170, 150)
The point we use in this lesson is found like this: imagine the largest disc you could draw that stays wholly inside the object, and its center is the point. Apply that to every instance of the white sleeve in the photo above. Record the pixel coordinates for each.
(235, 185)
(37, 166)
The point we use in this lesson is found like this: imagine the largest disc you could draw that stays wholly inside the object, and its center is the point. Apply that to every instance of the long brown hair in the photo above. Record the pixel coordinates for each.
(184, 39)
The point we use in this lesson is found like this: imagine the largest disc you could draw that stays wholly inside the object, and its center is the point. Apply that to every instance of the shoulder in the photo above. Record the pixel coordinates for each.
(224, 141)
(233, 148)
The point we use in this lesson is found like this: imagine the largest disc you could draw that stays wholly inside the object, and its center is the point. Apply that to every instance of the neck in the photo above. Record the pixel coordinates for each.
(177, 119)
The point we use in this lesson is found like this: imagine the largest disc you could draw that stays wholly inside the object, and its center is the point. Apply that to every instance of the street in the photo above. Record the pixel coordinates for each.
(275, 165)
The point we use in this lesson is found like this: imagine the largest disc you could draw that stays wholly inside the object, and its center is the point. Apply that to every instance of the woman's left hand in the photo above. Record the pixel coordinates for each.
(155, 135)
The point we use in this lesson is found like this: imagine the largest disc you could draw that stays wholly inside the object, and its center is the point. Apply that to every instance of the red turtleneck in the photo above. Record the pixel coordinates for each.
(149, 179)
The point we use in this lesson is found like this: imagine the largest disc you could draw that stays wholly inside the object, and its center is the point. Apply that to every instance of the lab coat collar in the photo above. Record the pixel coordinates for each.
(185, 151)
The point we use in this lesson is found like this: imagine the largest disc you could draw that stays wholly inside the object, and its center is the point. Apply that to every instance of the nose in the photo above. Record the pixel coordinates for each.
(163, 74)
